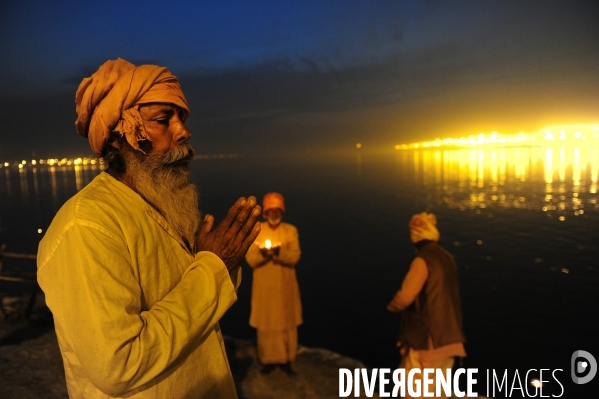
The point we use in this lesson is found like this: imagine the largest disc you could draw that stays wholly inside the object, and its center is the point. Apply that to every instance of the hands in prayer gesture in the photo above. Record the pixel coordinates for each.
(231, 239)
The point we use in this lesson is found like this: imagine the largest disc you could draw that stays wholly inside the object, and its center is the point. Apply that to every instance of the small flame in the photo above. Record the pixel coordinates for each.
(267, 244)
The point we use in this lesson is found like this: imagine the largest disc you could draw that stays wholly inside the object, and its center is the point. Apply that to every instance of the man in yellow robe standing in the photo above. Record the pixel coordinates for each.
(276, 305)
(136, 292)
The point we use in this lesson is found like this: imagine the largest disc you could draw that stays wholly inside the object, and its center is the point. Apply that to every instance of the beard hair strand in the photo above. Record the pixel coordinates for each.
(165, 185)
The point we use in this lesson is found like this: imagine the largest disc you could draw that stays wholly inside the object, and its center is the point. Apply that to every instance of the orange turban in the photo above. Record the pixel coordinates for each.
(105, 101)
(423, 227)
(273, 200)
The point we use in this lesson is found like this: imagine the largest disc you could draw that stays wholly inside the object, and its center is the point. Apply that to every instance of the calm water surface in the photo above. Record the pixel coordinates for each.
(520, 222)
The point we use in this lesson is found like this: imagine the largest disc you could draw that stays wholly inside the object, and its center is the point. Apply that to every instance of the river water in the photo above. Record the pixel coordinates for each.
(521, 223)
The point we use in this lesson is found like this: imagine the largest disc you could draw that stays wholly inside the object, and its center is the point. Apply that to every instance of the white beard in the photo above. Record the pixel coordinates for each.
(273, 221)
(166, 187)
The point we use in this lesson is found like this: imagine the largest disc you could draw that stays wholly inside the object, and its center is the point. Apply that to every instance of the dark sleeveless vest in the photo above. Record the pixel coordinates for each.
(437, 310)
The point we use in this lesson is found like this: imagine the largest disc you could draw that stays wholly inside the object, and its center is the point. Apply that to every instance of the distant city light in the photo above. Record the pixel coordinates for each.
(55, 162)
(570, 134)
(359, 145)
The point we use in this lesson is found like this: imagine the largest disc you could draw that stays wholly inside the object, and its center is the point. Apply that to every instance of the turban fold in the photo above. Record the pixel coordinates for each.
(272, 201)
(106, 100)
(423, 227)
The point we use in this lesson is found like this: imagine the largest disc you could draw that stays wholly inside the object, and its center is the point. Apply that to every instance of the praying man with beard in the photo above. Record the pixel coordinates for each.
(135, 283)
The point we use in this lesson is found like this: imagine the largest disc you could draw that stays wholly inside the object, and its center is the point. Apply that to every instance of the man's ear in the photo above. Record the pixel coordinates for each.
(115, 140)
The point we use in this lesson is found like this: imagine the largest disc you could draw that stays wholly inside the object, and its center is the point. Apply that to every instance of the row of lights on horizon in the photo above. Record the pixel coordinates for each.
(87, 161)
(54, 162)
(497, 139)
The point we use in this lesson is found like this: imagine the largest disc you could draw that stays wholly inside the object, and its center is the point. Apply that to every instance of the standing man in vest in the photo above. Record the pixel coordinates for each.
(276, 305)
(431, 326)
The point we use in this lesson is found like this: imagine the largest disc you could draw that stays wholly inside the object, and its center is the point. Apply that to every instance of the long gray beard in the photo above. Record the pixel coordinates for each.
(166, 187)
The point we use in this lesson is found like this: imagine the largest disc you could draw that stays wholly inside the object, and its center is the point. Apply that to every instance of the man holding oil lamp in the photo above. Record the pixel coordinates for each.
(276, 304)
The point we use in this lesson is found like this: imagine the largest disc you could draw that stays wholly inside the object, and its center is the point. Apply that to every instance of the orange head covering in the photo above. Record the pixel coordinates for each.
(423, 227)
(273, 200)
(106, 100)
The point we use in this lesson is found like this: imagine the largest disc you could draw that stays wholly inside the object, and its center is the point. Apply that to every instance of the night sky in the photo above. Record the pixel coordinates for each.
(306, 75)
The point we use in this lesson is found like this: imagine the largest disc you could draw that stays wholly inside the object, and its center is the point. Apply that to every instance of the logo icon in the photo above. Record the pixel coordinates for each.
(579, 366)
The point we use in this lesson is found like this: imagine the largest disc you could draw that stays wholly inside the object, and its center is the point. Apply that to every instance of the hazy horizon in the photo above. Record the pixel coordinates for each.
(271, 76)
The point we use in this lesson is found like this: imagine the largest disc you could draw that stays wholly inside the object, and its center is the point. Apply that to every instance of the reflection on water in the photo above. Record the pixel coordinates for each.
(7, 183)
(526, 277)
(60, 178)
(560, 180)
(36, 185)
(52, 171)
(79, 182)
(30, 195)
(24, 186)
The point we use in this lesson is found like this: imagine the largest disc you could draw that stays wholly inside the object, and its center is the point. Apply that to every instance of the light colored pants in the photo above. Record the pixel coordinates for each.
(412, 361)
(277, 347)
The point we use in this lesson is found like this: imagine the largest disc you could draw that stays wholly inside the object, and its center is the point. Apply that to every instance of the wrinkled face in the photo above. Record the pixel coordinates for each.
(165, 126)
(160, 174)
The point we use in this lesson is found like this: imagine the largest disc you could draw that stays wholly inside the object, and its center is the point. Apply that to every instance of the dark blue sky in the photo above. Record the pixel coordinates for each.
(264, 75)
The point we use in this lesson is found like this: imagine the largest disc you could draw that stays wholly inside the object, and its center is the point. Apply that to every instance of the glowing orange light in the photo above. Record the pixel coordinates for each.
(267, 244)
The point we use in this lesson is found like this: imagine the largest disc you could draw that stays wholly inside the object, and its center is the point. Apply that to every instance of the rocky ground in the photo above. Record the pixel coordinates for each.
(31, 365)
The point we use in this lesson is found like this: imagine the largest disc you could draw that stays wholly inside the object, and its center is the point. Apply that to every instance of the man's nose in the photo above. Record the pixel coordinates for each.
(181, 133)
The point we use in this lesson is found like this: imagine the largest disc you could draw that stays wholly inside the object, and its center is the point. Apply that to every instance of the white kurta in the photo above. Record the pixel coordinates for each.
(136, 313)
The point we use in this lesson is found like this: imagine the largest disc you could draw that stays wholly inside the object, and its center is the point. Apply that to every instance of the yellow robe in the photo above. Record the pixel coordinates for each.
(136, 314)
(276, 303)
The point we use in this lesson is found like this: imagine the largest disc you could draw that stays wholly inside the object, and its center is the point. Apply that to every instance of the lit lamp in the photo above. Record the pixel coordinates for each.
(269, 249)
